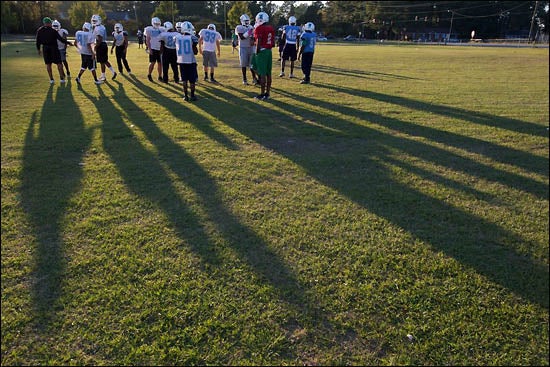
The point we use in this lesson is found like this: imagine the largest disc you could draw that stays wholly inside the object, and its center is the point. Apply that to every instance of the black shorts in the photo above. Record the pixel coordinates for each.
(188, 72)
(51, 55)
(289, 52)
(87, 62)
(102, 52)
(155, 56)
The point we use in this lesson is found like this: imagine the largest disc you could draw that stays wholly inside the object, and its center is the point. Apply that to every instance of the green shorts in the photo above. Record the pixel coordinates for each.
(264, 62)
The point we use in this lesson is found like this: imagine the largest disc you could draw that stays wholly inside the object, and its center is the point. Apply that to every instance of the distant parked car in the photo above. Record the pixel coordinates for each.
(322, 39)
(350, 38)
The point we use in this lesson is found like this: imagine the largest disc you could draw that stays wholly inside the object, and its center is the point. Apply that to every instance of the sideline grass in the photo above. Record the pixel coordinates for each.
(404, 192)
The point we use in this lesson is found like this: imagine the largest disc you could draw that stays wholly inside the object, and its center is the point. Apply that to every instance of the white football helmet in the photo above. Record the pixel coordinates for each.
(86, 27)
(245, 20)
(309, 27)
(292, 20)
(262, 18)
(212, 27)
(56, 25)
(118, 27)
(168, 25)
(96, 20)
(178, 27)
(187, 28)
(155, 22)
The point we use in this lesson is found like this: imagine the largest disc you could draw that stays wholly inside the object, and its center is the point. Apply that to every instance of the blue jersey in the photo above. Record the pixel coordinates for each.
(308, 40)
(291, 34)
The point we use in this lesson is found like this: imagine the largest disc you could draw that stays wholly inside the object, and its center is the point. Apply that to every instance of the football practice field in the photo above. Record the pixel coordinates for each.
(393, 212)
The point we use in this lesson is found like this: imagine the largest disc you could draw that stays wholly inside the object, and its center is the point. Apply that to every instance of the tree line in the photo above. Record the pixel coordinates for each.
(366, 19)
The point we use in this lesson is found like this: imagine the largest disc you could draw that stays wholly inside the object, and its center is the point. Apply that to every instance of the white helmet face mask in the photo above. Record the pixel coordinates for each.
(96, 20)
(292, 20)
(262, 18)
(118, 27)
(56, 24)
(245, 20)
(155, 22)
(187, 28)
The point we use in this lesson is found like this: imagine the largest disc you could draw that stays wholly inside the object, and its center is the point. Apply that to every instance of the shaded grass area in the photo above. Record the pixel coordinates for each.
(321, 227)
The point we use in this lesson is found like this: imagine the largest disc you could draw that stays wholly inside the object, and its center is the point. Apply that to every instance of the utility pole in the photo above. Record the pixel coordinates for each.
(451, 27)
(533, 20)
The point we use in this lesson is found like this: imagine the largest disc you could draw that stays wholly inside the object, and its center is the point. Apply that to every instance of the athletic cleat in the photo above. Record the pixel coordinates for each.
(102, 78)
(245, 82)
(193, 98)
(212, 80)
(114, 76)
(291, 76)
(52, 81)
(62, 81)
(77, 79)
(304, 81)
(255, 82)
(99, 82)
(282, 74)
(160, 79)
(150, 77)
(185, 98)
(205, 78)
(266, 96)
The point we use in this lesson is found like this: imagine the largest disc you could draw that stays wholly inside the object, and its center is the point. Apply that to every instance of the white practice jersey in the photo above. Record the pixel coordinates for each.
(249, 41)
(153, 36)
(63, 33)
(209, 38)
(84, 38)
(119, 37)
(184, 48)
(100, 29)
(168, 39)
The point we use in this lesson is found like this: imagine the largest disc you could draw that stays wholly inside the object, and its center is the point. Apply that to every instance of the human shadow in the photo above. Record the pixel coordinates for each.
(179, 110)
(509, 156)
(325, 69)
(144, 174)
(55, 143)
(353, 159)
(480, 118)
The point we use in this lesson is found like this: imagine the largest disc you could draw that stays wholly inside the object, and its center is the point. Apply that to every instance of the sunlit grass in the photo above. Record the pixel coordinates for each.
(395, 211)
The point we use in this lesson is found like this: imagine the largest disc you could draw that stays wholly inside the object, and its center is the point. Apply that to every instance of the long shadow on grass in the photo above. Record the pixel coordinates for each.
(474, 117)
(144, 174)
(53, 151)
(513, 157)
(352, 159)
(357, 73)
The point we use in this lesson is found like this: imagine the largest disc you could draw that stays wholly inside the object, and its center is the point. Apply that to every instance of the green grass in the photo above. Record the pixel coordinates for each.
(404, 192)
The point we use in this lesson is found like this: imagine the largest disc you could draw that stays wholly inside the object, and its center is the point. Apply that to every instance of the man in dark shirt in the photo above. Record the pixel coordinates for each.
(47, 37)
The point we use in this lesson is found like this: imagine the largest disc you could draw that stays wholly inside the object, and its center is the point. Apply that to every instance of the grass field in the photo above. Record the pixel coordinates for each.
(393, 212)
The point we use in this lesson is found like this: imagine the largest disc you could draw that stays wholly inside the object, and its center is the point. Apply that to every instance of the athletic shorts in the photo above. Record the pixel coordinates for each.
(245, 56)
(188, 72)
(264, 62)
(289, 52)
(209, 59)
(87, 62)
(51, 55)
(155, 56)
(63, 54)
(102, 52)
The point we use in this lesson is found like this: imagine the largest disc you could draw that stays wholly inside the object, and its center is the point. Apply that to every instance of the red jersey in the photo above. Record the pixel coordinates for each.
(265, 36)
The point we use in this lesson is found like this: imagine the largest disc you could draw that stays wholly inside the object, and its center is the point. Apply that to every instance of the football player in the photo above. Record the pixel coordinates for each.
(120, 45)
(209, 42)
(290, 36)
(186, 49)
(264, 34)
(152, 39)
(245, 33)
